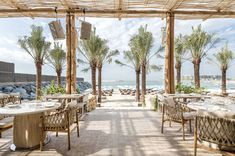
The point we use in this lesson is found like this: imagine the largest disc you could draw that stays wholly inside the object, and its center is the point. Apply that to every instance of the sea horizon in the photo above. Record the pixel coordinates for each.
(210, 85)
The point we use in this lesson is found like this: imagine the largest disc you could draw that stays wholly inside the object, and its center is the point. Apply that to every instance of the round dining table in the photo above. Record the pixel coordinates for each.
(27, 121)
(211, 106)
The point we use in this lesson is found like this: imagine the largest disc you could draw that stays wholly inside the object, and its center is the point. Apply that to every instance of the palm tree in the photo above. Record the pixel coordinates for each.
(133, 59)
(140, 56)
(104, 55)
(180, 52)
(224, 58)
(199, 43)
(57, 59)
(37, 47)
(142, 44)
(89, 50)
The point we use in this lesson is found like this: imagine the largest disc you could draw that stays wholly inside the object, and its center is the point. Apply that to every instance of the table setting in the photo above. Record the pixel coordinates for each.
(27, 121)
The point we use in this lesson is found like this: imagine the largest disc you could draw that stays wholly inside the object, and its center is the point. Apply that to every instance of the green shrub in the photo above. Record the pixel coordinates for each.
(53, 89)
(155, 107)
(189, 89)
(78, 90)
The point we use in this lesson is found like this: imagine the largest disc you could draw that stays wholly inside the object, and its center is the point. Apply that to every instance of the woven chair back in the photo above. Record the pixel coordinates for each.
(216, 130)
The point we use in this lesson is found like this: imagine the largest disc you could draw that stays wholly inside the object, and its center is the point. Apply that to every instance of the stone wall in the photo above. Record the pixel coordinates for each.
(7, 74)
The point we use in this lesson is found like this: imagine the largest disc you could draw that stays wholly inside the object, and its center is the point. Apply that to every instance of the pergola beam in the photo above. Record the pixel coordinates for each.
(120, 8)
(170, 4)
(64, 3)
(220, 6)
(16, 5)
(144, 12)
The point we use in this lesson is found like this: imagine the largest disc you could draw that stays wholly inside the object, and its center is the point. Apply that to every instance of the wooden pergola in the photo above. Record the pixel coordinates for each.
(169, 9)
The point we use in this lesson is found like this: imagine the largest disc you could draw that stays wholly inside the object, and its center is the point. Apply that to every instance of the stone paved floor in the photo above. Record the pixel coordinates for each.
(119, 128)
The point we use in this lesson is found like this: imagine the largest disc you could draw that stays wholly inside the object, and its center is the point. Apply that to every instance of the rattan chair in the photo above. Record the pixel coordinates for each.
(176, 112)
(220, 131)
(61, 121)
(6, 122)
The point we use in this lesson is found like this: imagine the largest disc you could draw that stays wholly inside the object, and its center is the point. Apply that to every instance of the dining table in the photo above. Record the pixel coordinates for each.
(211, 105)
(64, 97)
(188, 97)
(27, 121)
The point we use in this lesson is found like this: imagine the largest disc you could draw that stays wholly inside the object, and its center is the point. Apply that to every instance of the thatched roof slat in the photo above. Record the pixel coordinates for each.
(197, 9)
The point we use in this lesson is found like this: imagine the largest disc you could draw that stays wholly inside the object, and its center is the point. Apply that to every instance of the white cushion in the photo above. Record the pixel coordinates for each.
(189, 115)
(170, 101)
(6, 122)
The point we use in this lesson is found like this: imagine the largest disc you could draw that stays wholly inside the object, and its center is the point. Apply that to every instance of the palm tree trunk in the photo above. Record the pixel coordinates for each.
(99, 83)
(38, 79)
(223, 81)
(58, 72)
(196, 64)
(178, 72)
(137, 85)
(143, 91)
(93, 78)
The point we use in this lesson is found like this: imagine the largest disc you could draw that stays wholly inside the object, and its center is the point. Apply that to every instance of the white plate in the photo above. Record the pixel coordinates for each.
(48, 105)
(14, 106)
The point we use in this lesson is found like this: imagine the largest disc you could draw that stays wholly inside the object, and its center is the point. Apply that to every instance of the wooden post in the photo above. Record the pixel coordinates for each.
(169, 54)
(68, 54)
(71, 54)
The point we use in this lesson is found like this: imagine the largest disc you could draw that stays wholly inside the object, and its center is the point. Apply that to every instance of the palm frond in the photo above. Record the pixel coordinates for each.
(200, 42)
(57, 57)
(80, 61)
(85, 70)
(35, 44)
(224, 57)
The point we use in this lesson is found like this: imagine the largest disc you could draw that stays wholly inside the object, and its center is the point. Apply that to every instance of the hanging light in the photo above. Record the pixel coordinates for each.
(56, 28)
(85, 28)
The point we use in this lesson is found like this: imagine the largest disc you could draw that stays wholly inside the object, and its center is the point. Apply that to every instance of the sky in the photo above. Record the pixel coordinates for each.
(118, 33)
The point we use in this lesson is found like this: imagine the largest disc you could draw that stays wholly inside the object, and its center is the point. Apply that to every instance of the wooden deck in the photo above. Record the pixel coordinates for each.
(119, 127)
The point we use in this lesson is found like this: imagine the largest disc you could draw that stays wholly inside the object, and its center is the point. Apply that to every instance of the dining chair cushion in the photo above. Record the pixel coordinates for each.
(189, 115)
(218, 114)
(170, 101)
(81, 104)
(6, 122)
(71, 104)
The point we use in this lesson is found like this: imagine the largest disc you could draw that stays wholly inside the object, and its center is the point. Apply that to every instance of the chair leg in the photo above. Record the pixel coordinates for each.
(190, 126)
(170, 123)
(78, 133)
(56, 134)
(195, 137)
(68, 139)
(41, 141)
(0, 134)
(163, 111)
(77, 122)
(183, 130)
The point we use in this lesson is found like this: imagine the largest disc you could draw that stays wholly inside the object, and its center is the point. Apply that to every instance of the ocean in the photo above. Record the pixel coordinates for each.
(213, 85)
